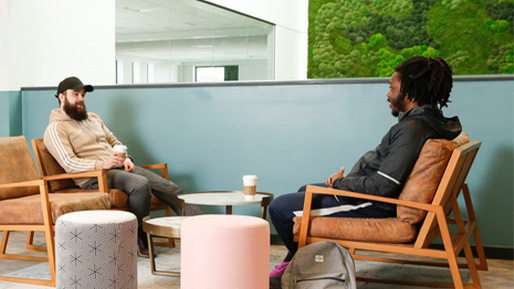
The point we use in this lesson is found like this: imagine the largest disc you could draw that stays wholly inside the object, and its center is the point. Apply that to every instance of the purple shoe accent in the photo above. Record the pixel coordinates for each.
(279, 269)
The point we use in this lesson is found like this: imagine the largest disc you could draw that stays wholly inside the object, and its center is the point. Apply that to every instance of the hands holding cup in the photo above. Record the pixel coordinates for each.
(121, 151)
(119, 159)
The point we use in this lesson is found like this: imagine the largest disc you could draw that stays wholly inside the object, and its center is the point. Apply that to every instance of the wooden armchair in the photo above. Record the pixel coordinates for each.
(50, 169)
(26, 205)
(427, 209)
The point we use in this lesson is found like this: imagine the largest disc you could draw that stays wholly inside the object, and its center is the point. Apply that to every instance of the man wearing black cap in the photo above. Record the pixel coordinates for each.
(80, 141)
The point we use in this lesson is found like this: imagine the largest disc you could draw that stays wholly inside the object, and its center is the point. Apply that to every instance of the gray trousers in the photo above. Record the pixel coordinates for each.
(139, 186)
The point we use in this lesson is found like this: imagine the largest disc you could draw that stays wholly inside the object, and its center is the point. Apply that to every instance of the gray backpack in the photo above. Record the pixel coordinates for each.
(320, 265)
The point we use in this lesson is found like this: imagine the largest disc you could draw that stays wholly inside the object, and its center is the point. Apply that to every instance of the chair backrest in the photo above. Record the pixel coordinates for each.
(16, 165)
(49, 166)
(448, 190)
(424, 178)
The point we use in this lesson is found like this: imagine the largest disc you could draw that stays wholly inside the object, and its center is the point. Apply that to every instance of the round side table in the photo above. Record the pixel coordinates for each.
(227, 199)
(161, 227)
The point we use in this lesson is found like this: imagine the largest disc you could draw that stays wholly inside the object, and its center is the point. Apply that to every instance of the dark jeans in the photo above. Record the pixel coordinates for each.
(281, 211)
(139, 185)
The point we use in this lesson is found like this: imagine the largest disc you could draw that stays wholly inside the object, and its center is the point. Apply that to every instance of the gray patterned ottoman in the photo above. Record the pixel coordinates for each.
(96, 249)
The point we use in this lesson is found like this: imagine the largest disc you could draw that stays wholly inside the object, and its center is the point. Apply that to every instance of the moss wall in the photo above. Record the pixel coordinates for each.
(367, 38)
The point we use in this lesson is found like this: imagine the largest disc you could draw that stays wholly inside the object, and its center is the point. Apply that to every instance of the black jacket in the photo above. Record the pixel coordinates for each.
(383, 170)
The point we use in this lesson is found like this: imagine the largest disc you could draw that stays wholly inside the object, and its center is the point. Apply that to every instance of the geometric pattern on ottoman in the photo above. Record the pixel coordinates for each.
(96, 249)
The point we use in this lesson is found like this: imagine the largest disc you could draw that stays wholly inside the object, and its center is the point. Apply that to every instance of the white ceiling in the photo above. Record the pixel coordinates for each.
(184, 30)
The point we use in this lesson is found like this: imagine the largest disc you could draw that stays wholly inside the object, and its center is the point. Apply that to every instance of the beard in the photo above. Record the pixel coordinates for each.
(397, 105)
(76, 113)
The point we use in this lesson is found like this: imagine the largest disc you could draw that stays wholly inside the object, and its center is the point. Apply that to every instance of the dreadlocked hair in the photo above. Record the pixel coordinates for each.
(427, 80)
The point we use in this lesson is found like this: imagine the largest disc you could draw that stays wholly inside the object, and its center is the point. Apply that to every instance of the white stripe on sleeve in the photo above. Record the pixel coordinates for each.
(389, 178)
(68, 161)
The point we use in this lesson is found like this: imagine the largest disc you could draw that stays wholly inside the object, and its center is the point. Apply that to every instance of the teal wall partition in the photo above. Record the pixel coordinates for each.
(4, 114)
(10, 113)
(291, 133)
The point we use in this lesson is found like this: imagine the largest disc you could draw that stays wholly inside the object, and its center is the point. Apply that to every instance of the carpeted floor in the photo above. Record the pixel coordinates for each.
(500, 274)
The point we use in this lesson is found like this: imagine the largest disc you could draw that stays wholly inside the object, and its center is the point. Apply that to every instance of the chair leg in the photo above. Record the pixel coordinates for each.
(480, 250)
(50, 259)
(472, 266)
(454, 268)
(3, 246)
(30, 239)
(30, 243)
(50, 248)
(450, 254)
(476, 233)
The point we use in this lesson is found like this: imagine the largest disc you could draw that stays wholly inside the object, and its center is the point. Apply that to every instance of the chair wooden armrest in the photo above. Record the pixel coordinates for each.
(156, 166)
(163, 167)
(87, 174)
(99, 174)
(33, 183)
(327, 191)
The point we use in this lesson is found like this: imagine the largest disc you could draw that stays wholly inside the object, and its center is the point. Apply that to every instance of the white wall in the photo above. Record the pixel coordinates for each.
(290, 54)
(4, 75)
(42, 42)
(47, 41)
(291, 20)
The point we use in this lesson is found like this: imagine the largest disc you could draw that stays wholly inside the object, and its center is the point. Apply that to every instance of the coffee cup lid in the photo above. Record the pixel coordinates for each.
(120, 148)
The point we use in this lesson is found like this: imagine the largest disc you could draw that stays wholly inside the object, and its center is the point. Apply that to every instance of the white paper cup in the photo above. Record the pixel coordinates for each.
(249, 186)
(122, 149)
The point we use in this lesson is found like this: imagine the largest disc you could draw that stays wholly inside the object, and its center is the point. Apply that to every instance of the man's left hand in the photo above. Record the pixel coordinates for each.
(330, 181)
(129, 165)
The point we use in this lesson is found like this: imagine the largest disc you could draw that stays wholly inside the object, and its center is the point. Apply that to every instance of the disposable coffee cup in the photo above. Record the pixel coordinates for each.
(122, 150)
(250, 186)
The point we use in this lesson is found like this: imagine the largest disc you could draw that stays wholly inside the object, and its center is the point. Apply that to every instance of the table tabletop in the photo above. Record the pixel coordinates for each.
(222, 198)
(227, 199)
(168, 221)
(163, 226)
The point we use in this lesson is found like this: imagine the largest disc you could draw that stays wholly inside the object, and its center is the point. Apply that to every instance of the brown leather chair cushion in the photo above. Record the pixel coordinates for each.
(424, 178)
(16, 165)
(27, 209)
(117, 198)
(389, 230)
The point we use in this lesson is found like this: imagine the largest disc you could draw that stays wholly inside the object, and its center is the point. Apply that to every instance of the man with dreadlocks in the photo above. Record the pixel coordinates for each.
(419, 88)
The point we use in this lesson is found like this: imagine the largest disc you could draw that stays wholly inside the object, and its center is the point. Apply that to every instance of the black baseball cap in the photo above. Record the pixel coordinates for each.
(73, 83)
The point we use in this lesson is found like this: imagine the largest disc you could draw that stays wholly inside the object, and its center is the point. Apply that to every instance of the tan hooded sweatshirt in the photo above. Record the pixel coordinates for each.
(79, 146)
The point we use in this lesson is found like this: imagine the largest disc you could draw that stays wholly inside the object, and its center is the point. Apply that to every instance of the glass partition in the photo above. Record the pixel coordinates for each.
(170, 41)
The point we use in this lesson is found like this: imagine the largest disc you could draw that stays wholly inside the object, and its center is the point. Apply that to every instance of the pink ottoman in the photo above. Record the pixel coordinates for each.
(224, 252)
